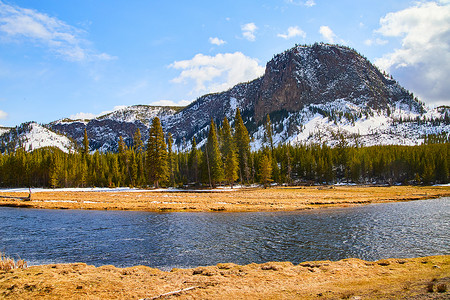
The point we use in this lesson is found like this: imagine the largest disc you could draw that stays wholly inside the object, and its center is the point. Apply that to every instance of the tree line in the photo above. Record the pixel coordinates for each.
(225, 159)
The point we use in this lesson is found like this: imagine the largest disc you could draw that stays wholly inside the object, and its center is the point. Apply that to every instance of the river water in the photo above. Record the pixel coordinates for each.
(167, 240)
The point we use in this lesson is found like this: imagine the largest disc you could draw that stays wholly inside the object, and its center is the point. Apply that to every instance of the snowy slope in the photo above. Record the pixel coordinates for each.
(4, 130)
(358, 125)
(33, 136)
(142, 113)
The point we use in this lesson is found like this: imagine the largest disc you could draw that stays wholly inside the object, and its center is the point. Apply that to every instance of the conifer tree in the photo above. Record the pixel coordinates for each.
(138, 145)
(194, 162)
(265, 171)
(213, 156)
(133, 169)
(229, 153)
(83, 172)
(157, 167)
(242, 140)
(85, 149)
(268, 134)
(170, 160)
(124, 166)
(53, 176)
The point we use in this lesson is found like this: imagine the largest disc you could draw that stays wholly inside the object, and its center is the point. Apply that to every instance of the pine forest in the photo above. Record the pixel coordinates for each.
(225, 159)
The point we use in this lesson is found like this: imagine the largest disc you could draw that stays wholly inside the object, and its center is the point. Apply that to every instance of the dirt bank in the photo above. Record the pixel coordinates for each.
(273, 199)
(417, 278)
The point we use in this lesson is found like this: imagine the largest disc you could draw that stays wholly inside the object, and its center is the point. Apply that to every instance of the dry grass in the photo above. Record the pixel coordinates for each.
(345, 279)
(7, 263)
(273, 199)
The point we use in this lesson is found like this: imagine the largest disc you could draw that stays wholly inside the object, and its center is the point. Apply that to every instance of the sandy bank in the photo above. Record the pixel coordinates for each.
(252, 199)
(384, 279)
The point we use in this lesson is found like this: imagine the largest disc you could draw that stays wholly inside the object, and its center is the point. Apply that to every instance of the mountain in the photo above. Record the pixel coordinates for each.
(313, 94)
(104, 131)
(32, 136)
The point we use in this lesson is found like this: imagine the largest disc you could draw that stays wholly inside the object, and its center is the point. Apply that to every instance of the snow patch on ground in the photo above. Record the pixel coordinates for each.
(118, 190)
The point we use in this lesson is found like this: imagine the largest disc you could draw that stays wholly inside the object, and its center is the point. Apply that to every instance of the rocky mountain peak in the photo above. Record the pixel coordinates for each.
(323, 73)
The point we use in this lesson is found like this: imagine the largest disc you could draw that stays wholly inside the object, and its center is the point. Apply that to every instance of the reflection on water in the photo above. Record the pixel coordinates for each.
(166, 240)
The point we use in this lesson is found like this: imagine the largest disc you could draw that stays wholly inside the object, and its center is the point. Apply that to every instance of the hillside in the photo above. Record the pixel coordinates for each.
(32, 136)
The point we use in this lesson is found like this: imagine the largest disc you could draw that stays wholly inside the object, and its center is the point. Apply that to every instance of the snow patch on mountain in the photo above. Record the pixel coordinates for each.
(341, 121)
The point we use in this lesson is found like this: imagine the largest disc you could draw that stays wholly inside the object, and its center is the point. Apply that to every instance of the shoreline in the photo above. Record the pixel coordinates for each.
(225, 200)
(408, 278)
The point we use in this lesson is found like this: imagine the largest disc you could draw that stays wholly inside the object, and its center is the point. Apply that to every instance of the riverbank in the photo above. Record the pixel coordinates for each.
(415, 278)
(227, 200)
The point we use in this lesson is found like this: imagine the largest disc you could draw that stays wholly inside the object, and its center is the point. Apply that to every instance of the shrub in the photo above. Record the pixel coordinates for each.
(7, 263)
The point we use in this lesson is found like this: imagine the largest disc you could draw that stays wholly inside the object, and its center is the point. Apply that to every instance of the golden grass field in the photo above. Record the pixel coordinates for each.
(238, 200)
(416, 278)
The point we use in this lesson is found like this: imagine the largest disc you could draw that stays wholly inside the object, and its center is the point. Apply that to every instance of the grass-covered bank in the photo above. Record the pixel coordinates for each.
(254, 199)
(414, 278)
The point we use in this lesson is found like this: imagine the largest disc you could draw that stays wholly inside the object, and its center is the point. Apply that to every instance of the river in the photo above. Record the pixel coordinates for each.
(167, 240)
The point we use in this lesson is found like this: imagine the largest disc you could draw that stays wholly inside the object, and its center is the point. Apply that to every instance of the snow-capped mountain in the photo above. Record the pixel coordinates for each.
(317, 94)
(313, 94)
(32, 136)
(104, 131)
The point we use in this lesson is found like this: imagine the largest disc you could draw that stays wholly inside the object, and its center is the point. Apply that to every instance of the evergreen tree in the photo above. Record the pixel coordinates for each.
(229, 153)
(194, 162)
(171, 160)
(265, 170)
(124, 166)
(242, 140)
(85, 149)
(268, 134)
(138, 145)
(133, 169)
(157, 166)
(213, 156)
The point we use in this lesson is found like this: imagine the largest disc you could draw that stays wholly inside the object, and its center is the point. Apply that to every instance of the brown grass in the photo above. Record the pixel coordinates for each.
(258, 199)
(345, 279)
(7, 263)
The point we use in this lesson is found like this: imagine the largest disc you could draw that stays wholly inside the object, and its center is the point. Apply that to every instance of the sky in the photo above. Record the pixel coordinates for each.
(82, 58)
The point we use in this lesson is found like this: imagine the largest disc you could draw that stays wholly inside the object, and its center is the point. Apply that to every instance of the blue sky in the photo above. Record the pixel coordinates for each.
(81, 58)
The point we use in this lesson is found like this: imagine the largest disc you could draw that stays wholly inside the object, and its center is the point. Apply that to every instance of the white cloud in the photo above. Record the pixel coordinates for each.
(377, 41)
(292, 32)
(422, 61)
(217, 73)
(3, 115)
(170, 103)
(327, 34)
(248, 31)
(307, 3)
(216, 41)
(22, 24)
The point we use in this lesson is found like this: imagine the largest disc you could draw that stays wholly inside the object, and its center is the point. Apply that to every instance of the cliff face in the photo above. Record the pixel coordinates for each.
(322, 74)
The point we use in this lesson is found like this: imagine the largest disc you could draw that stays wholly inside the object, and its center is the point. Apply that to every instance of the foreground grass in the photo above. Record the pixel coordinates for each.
(416, 278)
(7, 263)
(257, 199)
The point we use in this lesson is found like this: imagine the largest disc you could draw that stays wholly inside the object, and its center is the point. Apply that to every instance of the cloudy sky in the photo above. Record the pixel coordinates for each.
(80, 58)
